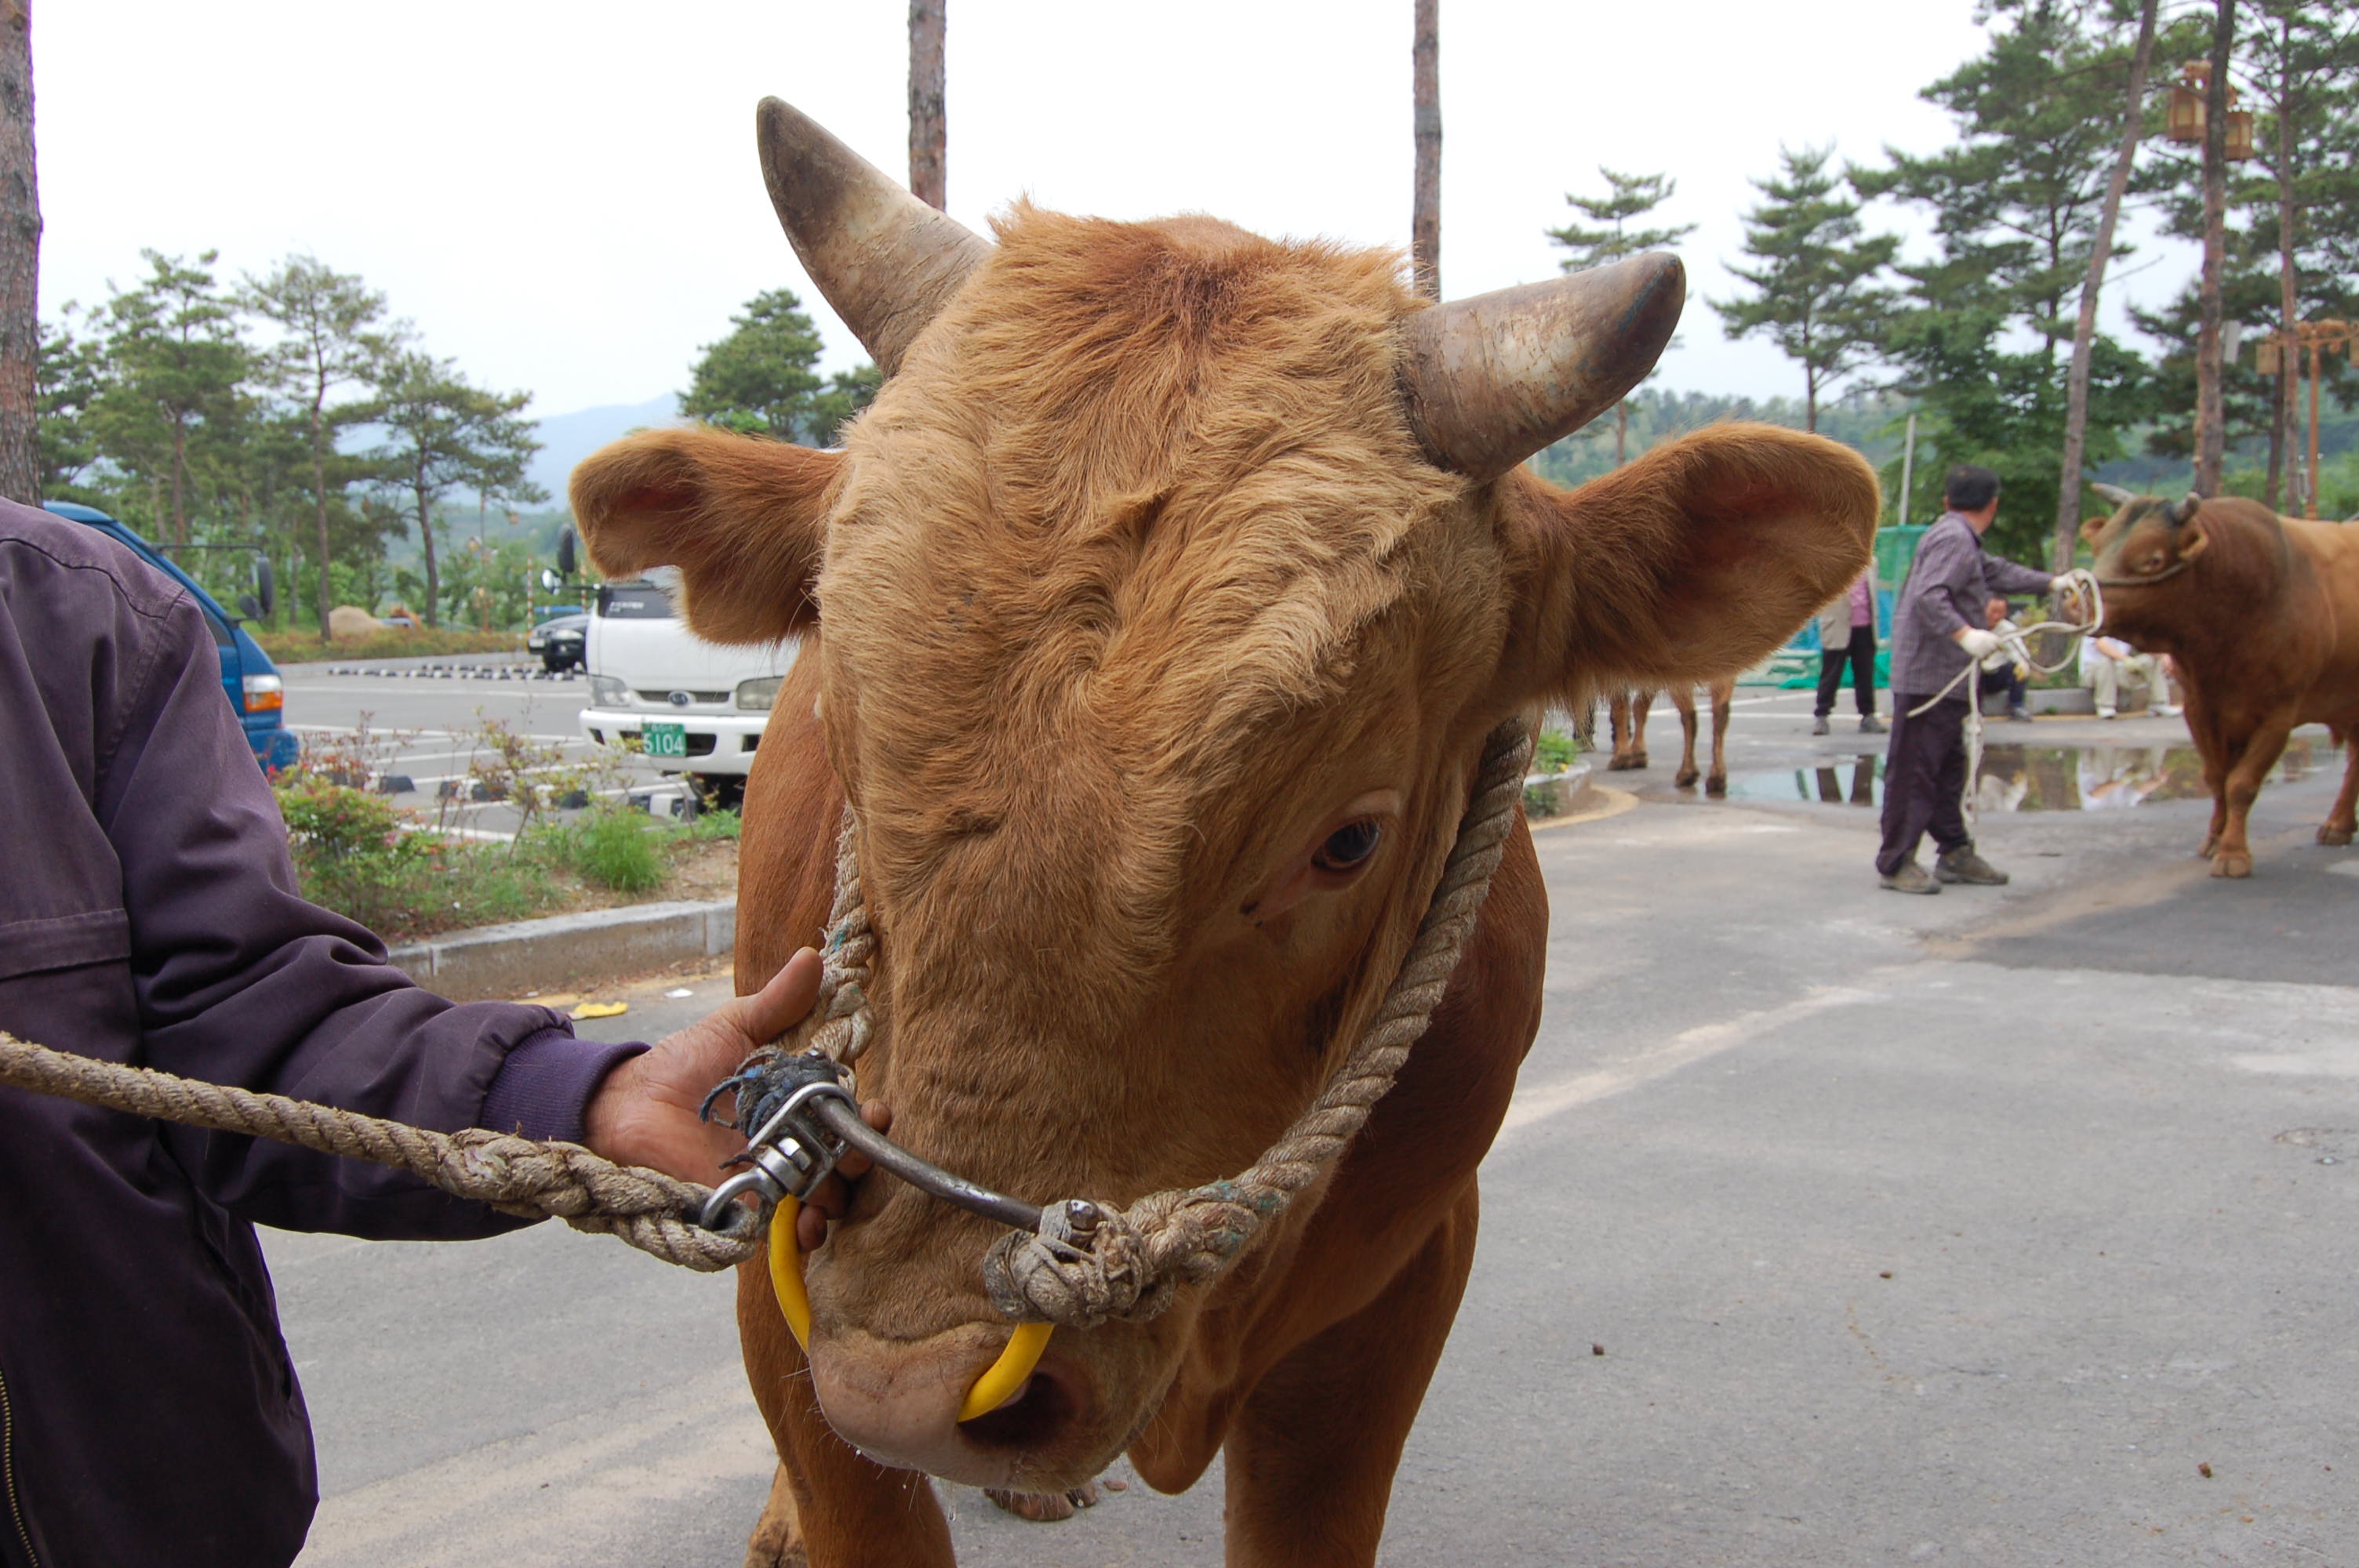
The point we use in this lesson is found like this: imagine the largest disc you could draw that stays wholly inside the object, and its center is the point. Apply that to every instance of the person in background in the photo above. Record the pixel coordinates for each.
(1847, 635)
(1940, 631)
(2010, 679)
(2108, 664)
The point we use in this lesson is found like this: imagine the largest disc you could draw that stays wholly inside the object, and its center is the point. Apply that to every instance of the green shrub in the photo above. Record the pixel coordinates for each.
(616, 847)
(1554, 751)
(358, 854)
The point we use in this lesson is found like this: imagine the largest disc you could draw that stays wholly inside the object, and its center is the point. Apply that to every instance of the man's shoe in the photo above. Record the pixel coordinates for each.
(1819, 725)
(2169, 710)
(2019, 714)
(1909, 878)
(1869, 724)
(1965, 866)
(2105, 713)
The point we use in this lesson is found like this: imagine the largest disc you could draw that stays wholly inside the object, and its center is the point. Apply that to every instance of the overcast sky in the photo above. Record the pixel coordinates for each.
(565, 197)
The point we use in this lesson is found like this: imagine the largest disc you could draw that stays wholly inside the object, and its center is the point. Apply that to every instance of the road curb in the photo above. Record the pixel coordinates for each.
(568, 952)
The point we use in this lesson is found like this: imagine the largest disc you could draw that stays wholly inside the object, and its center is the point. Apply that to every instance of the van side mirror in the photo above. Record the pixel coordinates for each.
(249, 609)
(549, 581)
(263, 601)
(569, 554)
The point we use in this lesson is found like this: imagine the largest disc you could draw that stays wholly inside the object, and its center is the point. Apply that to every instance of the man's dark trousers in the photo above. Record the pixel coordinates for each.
(1924, 776)
(1859, 653)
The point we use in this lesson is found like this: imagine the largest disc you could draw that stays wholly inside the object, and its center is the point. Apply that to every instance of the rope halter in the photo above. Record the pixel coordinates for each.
(1079, 1262)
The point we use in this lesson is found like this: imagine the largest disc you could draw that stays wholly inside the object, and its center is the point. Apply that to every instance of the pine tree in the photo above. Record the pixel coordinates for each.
(1628, 195)
(763, 378)
(1815, 297)
(446, 435)
(332, 340)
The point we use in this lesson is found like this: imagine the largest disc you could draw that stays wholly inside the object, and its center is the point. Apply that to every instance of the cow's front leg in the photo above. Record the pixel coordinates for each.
(1724, 700)
(2344, 819)
(1310, 1460)
(1683, 698)
(2211, 747)
(829, 1508)
(2257, 756)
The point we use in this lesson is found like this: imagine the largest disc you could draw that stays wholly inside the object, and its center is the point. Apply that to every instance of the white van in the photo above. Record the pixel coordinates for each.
(689, 706)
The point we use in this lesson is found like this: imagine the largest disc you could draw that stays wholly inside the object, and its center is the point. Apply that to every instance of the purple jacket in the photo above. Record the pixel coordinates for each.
(1949, 587)
(148, 914)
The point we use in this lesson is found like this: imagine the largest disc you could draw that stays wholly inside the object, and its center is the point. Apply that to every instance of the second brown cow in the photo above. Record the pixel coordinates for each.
(2260, 613)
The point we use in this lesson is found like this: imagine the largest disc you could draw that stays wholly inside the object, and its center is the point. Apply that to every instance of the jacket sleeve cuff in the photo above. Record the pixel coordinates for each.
(542, 1089)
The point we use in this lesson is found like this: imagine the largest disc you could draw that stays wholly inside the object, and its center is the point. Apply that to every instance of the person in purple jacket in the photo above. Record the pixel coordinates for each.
(148, 1411)
(1939, 630)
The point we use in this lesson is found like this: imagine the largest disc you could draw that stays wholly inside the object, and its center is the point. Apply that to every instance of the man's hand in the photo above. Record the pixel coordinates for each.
(645, 1113)
(1978, 644)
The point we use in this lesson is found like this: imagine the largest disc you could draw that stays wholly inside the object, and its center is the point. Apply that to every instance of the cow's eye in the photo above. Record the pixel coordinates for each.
(1349, 846)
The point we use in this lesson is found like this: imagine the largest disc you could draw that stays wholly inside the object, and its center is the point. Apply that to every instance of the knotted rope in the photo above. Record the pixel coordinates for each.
(1127, 1263)
(652, 1211)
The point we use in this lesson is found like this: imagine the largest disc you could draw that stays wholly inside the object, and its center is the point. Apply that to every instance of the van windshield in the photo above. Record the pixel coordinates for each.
(635, 602)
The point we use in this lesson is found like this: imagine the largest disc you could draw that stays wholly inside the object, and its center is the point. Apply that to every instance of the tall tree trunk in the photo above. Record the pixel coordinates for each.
(20, 257)
(179, 468)
(319, 495)
(1810, 397)
(433, 578)
(2084, 330)
(1621, 430)
(2211, 422)
(929, 178)
(2289, 417)
(1425, 206)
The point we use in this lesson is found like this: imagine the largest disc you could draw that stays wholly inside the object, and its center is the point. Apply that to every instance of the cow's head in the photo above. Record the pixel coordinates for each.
(2145, 536)
(1167, 591)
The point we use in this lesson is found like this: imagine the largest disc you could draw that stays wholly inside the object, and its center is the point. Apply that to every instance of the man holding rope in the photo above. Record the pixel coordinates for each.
(148, 1411)
(1939, 634)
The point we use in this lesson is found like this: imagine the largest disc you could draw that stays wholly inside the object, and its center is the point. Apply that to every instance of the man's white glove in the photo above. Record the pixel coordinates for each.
(1978, 644)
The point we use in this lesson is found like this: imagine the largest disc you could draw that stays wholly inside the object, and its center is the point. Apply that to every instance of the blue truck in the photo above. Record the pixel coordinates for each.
(256, 694)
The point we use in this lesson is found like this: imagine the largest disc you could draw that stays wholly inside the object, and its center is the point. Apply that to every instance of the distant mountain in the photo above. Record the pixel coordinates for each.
(567, 438)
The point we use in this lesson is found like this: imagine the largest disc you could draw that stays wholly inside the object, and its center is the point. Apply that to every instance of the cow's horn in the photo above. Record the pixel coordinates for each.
(2185, 509)
(2111, 494)
(1493, 379)
(887, 262)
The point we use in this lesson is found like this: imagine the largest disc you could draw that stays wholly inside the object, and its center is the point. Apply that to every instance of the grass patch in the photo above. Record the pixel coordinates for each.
(402, 877)
(613, 848)
(297, 646)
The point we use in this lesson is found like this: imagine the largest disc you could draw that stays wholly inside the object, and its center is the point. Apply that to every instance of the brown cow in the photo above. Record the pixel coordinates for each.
(2261, 615)
(1627, 718)
(1154, 618)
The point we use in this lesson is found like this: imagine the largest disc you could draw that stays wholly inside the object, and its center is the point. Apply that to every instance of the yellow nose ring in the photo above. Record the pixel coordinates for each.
(1000, 1379)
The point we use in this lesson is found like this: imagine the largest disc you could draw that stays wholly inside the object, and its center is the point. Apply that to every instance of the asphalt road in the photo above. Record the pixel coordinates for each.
(1963, 1229)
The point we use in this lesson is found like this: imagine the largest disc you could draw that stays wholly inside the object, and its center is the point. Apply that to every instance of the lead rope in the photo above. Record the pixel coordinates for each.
(654, 1212)
(1127, 1264)
(2087, 587)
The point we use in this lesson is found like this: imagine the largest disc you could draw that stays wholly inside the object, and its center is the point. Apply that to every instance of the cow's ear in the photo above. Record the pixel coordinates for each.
(2093, 526)
(743, 519)
(1697, 560)
(2192, 539)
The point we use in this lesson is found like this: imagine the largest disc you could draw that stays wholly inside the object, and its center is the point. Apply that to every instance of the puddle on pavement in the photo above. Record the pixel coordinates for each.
(2030, 778)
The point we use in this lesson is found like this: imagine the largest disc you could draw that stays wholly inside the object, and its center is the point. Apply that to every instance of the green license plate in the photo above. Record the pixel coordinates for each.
(665, 739)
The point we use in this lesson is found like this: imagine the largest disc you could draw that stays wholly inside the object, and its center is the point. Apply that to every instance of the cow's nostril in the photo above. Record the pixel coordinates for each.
(1041, 1410)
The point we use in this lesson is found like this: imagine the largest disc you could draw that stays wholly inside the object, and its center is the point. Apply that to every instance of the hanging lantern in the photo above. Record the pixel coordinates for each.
(2240, 135)
(2183, 122)
(2265, 357)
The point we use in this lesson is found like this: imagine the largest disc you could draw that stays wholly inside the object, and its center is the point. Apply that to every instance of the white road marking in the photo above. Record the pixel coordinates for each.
(1684, 1049)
